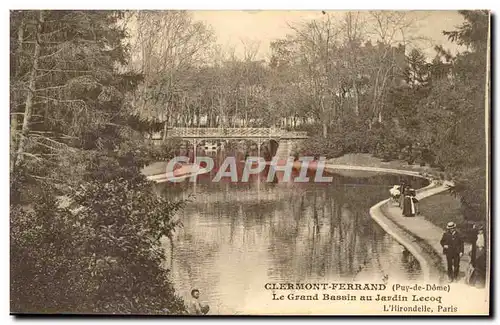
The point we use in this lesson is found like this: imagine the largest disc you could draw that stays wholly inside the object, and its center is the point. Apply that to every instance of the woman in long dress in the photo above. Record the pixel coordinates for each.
(402, 189)
(409, 208)
(413, 195)
(477, 277)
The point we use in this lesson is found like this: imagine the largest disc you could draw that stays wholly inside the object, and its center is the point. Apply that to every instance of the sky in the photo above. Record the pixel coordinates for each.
(264, 26)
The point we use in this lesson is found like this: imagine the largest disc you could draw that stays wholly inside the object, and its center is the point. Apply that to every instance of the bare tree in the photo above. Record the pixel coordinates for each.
(167, 46)
(318, 43)
(250, 49)
(391, 30)
(28, 107)
(354, 24)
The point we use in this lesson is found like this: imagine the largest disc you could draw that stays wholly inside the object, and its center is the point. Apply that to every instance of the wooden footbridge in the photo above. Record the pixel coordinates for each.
(235, 133)
(283, 138)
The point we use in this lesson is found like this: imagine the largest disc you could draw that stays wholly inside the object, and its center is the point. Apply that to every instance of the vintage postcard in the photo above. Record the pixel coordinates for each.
(199, 163)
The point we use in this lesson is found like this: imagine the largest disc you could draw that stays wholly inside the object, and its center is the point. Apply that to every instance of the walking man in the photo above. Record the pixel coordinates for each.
(453, 248)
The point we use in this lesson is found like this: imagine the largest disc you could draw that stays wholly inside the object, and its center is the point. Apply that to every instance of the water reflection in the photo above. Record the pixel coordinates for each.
(237, 237)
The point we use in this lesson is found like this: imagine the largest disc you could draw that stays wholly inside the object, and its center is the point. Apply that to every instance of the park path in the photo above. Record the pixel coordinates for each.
(425, 231)
(420, 236)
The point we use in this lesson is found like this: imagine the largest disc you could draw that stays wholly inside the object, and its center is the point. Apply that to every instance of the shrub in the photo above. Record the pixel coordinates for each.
(330, 147)
(101, 256)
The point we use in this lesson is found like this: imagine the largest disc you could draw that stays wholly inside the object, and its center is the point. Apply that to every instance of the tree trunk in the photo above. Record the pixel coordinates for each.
(165, 120)
(384, 80)
(246, 101)
(165, 130)
(210, 113)
(13, 109)
(222, 119)
(171, 240)
(28, 108)
(334, 110)
(323, 118)
(356, 98)
(375, 96)
(236, 111)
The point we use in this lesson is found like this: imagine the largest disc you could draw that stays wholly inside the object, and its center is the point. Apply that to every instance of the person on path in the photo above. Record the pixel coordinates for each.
(395, 193)
(477, 240)
(402, 187)
(409, 208)
(478, 259)
(453, 247)
(195, 307)
(413, 195)
(478, 277)
(480, 243)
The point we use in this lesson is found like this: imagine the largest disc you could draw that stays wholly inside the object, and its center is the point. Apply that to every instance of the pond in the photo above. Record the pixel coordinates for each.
(238, 236)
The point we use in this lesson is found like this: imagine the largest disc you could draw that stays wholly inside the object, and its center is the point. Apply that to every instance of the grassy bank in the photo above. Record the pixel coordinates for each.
(367, 160)
(441, 209)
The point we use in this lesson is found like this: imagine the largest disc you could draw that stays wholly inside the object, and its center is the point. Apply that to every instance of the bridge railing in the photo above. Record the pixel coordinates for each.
(233, 132)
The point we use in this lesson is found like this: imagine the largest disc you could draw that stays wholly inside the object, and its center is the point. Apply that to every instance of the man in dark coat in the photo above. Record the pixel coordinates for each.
(453, 248)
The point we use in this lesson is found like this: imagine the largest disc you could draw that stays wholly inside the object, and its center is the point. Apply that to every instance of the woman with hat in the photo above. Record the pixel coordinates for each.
(409, 206)
(478, 260)
(480, 238)
(402, 188)
(413, 195)
(453, 248)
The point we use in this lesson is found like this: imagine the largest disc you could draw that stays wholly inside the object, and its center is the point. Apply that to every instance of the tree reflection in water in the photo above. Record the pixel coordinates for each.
(237, 237)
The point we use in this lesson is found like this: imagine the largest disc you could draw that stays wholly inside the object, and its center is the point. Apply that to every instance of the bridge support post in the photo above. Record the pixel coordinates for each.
(195, 143)
(258, 148)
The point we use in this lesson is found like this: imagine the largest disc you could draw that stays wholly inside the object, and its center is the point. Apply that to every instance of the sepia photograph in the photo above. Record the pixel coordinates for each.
(250, 162)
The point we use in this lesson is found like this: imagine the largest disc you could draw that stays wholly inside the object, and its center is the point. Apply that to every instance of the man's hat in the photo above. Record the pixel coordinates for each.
(451, 225)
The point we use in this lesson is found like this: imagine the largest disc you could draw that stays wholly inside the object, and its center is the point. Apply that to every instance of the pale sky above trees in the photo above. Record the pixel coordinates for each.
(233, 27)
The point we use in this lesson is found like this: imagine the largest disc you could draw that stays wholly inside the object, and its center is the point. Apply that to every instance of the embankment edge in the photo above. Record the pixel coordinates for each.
(404, 237)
